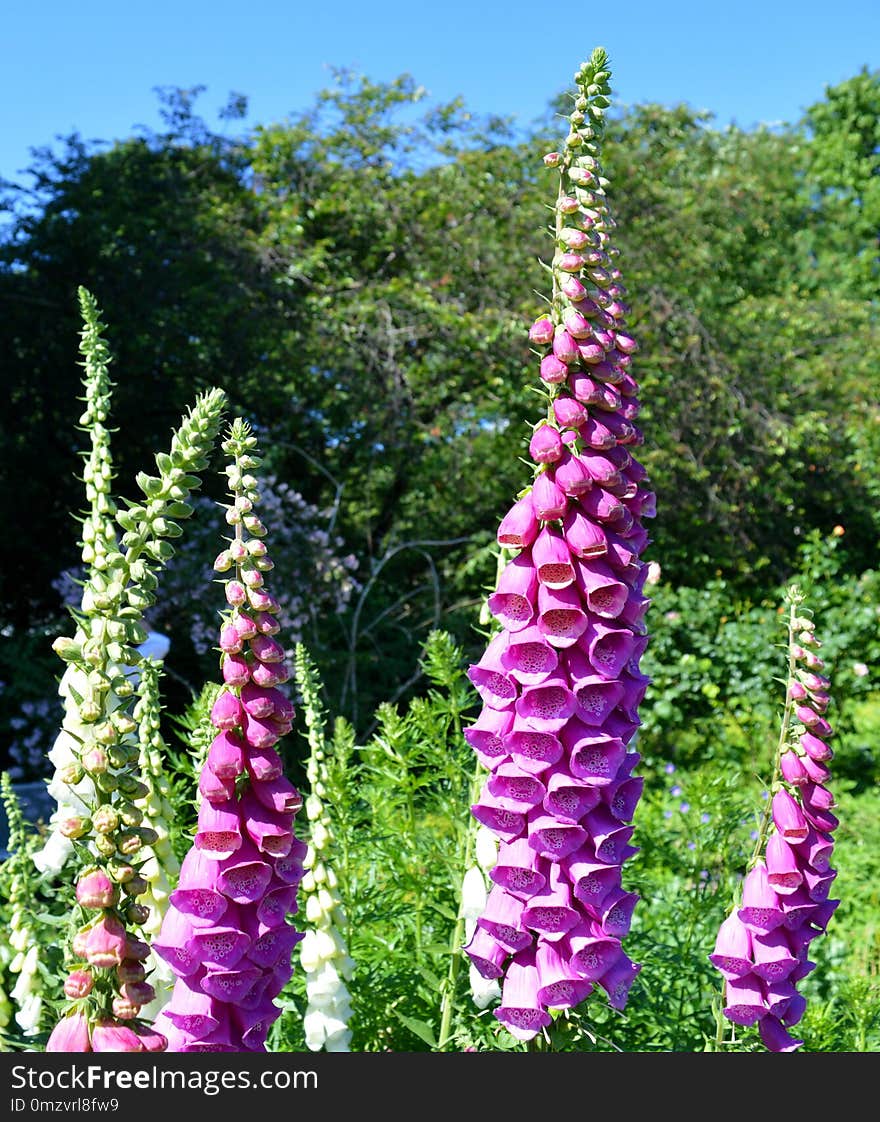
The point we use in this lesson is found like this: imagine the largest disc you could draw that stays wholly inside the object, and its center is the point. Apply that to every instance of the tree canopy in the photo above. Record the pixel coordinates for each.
(360, 279)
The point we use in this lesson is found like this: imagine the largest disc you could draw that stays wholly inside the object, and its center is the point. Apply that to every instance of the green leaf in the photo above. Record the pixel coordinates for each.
(421, 1028)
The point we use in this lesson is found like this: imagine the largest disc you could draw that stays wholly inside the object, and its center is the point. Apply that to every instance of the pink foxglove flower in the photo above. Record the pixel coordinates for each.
(560, 680)
(761, 949)
(226, 933)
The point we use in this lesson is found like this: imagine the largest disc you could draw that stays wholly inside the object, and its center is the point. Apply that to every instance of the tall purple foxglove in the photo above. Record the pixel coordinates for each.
(761, 949)
(226, 933)
(560, 679)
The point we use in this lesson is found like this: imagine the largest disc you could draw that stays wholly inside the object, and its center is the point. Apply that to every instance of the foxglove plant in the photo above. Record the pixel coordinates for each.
(762, 947)
(225, 934)
(324, 950)
(560, 680)
(98, 543)
(106, 988)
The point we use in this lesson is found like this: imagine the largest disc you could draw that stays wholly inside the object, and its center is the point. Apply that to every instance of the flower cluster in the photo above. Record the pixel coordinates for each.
(560, 681)
(762, 947)
(225, 933)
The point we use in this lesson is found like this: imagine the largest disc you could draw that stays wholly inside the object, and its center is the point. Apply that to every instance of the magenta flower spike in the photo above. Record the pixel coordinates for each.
(784, 903)
(560, 794)
(226, 933)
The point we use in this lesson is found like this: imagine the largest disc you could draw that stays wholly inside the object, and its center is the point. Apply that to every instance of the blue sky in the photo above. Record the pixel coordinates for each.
(91, 65)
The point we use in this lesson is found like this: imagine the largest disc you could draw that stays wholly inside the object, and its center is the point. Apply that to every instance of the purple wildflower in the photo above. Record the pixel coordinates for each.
(226, 934)
(762, 946)
(560, 680)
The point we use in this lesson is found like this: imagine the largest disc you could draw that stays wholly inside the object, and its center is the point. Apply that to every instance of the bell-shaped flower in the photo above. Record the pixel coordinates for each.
(559, 984)
(593, 755)
(529, 657)
(518, 869)
(552, 838)
(549, 912)
(592, 954)
(547, 705)
(584, 537)
(788, 817)
(772, 953)
(592, 880)
(552, 560)
(610, 836)
(532, 748)
(761, 909)
(519, 527)
(490, 677)
(744, 1000)
(489, 811)
(623, 795)
(515, 597)
(548, 498)
(219, 831)
(776, 1037)
(567, 797)
(784, 874)
(486, 954)
(561, 616)
(502, 919)
(110, 1035)
(486, 735)
(514, 788)
(520, 1011)
(70, 1034)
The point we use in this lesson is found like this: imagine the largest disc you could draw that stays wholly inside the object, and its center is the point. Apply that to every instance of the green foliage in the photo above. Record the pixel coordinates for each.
(843, 181)
(347, 275)
(715, 660)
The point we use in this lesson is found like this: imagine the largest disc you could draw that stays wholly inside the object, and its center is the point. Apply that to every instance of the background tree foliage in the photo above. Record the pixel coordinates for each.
(360, 277)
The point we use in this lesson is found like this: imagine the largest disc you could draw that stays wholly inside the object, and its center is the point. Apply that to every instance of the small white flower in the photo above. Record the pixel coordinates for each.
(473, 894)
(483, 990)
(486, 847)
